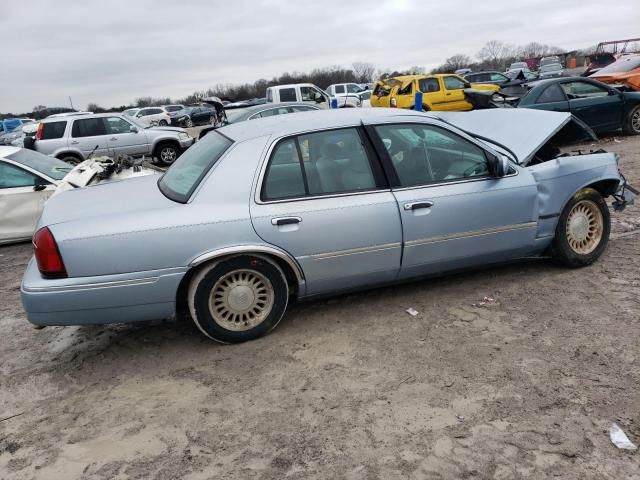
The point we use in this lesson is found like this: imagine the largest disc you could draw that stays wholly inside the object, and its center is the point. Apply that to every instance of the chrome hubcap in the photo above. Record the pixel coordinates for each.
(584, 227)
(168, 155)
(635, 121)
(241, 300)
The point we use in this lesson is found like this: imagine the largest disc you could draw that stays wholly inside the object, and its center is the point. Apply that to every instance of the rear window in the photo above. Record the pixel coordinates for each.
(184, 176)
(51, 167)
(288, 95)
(88, 127)
(52, 130)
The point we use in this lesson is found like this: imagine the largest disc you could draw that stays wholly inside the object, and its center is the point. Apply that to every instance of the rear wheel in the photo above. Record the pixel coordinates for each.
(166, 153)
(188, 123)
(238, 299)
(583, 229)
(163, 123)
(631, 124)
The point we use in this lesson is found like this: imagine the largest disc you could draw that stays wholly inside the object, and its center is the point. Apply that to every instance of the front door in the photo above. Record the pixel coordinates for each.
(597, 106)
(323, 199)
(454, 213)
(20, 202)
(122, 141)
(454, 94)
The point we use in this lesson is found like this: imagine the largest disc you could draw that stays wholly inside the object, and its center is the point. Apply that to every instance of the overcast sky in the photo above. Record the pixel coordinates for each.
(111, 52)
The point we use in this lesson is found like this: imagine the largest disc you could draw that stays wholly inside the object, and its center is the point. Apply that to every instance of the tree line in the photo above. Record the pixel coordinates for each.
(494, 55)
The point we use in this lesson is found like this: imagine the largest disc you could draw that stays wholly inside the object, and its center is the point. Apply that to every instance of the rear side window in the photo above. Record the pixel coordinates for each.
(302, 108)
(288, 95)
(339, 88)
(428, 85)
(88, 127)
(322, 163)
(553, 93)
(53, 130)
(186, 173)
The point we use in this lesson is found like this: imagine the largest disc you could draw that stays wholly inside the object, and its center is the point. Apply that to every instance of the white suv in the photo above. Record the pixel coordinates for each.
(150, 115)
(73, 139)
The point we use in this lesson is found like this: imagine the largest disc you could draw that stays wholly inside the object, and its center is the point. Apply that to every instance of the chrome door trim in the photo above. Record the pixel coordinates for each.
(456, 182)
(355, 251)
(469, 234)
(239, 249)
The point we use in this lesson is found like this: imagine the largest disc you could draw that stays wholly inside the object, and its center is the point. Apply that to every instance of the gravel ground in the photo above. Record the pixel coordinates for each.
(353, 387)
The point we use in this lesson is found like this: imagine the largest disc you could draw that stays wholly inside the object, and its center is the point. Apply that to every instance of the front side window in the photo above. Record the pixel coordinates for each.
(88, 127)
(553, 93)
(14, 177)
(116, 125)
(309, 94)
(429, 85)
(353, 88)
(498, 77)
(583, 90)
(424, 154)
(302, 108)
(287, 94)
(186, 173)
(406, 89)
(321, 163)
(270, 113)
(52, 130)
(453, 83)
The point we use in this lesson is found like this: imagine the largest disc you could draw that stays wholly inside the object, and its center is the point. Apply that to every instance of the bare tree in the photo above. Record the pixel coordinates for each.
(493, 53)
(364, 71)
(456, 62)
(39, 108)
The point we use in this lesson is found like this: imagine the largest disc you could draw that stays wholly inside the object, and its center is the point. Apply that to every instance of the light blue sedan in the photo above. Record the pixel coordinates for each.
(261, 213)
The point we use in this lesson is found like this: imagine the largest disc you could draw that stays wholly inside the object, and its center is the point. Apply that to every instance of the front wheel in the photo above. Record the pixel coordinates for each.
(188, 123)
(583, 229)
(238, 299)
(163, 123)
(167, 153)
(631, 124)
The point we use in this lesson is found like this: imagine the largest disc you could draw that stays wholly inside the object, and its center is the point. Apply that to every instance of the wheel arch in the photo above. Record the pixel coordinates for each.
(160, 141)
(292, 270)
(69, 152)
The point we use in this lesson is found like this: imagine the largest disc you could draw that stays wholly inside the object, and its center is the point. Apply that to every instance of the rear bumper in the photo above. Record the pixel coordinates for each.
(120, 298)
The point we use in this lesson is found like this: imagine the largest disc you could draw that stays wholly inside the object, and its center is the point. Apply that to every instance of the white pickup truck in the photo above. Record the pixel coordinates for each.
(308, 93)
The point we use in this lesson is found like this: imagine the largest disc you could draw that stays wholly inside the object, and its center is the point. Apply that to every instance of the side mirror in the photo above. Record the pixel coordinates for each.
(498, 165)
(139, 115)
(318, 98)
(39, 184)
(133, 129)
(467, 85)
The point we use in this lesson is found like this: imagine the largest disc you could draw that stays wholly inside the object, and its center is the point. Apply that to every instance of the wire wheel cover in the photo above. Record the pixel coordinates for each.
(584, 227)
(241, 300)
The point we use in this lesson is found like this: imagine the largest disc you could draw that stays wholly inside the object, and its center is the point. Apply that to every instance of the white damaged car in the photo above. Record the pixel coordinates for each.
(28, 179)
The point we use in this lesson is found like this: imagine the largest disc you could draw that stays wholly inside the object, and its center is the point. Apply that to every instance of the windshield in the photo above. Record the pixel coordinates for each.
(236, 115)
(518, 65)
(551, 68)
(184, 176)
(49, 166)
(138, 123)
(624, 64)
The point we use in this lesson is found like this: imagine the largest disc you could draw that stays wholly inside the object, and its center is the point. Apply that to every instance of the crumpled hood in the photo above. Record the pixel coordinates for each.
(524, 131)
(120, 198)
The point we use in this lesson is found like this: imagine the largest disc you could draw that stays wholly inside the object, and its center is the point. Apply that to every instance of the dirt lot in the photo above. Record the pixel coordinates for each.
(348, 388)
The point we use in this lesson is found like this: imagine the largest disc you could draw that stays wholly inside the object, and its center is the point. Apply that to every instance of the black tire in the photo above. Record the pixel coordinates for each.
(167, 153)
(188, 123)
(211, 290)
(425, 108)
(163, 123)
(583, 229)
(631, 125)
(70, 158)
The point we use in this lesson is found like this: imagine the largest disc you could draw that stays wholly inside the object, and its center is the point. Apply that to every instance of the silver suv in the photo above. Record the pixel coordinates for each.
(72, 139)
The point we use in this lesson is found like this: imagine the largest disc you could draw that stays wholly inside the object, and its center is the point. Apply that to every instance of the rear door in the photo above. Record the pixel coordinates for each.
(121, 140)
(596, 105)
(20, 203)
(88, 134)
(454, 213)
(322, 197)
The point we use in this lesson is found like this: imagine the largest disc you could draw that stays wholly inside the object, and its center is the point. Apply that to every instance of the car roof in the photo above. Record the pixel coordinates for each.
(280, 125)
(81, 117)
(6, 151)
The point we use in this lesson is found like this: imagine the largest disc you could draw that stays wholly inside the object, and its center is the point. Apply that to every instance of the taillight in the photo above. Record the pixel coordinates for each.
(39, 133)
(47, 254)
(393, 103)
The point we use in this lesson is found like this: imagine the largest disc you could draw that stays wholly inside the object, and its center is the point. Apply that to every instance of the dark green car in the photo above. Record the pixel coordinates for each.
(600, 106)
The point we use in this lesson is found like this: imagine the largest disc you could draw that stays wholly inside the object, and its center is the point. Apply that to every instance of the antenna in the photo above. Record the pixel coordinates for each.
(71, 103)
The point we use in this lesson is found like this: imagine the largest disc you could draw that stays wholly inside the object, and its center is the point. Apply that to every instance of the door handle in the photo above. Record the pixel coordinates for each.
(418, 205)
(75, 142)
(285, 220)
(113, 138)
